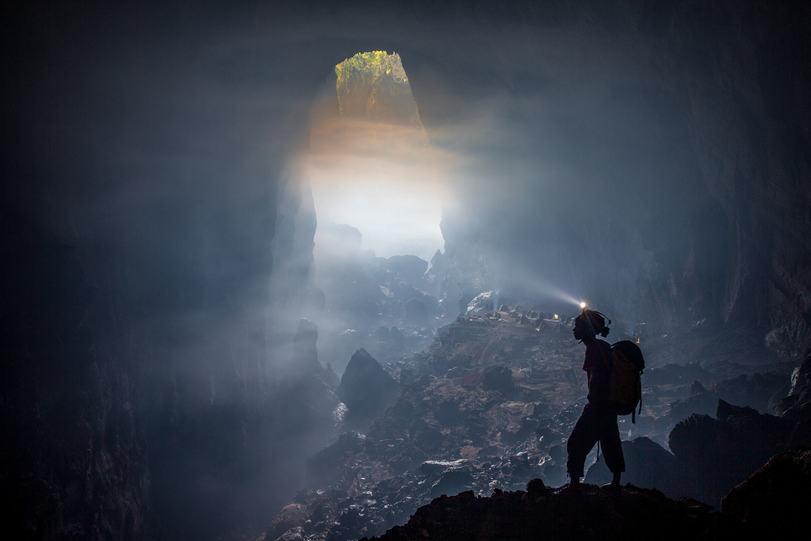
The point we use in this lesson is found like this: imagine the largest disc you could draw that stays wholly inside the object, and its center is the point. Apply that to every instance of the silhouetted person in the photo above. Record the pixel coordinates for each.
(598, 422)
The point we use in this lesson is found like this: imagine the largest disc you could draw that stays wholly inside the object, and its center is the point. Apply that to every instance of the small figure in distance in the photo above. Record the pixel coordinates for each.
(598, 422)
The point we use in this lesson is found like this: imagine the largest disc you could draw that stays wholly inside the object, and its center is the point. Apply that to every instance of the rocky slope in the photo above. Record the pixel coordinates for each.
(769, 504)
(772, 502)
(490, 405)
(544, 513)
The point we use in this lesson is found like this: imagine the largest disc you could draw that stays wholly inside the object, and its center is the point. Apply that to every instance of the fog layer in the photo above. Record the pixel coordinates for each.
(158, 379)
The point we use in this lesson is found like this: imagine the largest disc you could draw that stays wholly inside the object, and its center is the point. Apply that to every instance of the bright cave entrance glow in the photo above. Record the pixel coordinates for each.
(370, 164)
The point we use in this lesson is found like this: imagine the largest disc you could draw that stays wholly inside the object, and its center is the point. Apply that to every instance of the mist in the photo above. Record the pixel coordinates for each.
(202, 232)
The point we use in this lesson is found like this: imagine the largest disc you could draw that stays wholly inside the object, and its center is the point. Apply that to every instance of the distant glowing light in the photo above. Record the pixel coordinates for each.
(370, 164)
(583, 305)
(555, 317)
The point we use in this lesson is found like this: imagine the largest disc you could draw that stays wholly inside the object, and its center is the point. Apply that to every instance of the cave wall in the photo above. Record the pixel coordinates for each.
(651, 157)
(157, 249)
(748, 80)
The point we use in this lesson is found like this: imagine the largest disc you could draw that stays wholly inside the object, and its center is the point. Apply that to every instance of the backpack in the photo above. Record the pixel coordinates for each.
(625, 383)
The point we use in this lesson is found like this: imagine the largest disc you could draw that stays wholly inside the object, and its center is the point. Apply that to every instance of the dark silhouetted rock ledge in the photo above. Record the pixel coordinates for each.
(543, 513)
(773, 502)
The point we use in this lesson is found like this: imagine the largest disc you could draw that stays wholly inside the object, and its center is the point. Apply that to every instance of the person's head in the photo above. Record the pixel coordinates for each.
(589, 324)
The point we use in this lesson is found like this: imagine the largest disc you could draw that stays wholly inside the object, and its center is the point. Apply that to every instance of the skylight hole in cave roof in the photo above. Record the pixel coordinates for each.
(370, 164)
(374, 85)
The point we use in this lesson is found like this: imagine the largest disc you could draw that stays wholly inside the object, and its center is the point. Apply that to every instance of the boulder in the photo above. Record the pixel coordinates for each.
(717, 454)
(772, 503)
(408, 268)
(365, 387)
(647, 465)
(481, 305)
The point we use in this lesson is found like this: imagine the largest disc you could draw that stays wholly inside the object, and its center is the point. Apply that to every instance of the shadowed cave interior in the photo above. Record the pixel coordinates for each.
(291, 272)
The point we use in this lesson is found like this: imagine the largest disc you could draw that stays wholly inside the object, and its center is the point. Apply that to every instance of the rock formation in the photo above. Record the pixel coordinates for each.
(544, 513)
(718, 453)
(373, 85)
(149, 205)
(647, 465)
(365, 387)
(773, 501)
(74, 454)
(769, 504)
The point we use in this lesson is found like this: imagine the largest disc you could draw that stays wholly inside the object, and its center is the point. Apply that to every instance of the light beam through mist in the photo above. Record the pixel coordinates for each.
(370, 164)
(383, 179)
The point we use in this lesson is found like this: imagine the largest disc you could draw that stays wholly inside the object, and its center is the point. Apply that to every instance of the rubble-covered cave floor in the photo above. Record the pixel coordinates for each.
(487, 407)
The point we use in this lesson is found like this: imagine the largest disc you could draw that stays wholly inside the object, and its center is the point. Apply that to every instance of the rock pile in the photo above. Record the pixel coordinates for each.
(489, 406)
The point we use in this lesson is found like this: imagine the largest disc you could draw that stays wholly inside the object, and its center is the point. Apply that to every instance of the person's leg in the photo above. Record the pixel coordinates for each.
(583, 437)
(612, 446)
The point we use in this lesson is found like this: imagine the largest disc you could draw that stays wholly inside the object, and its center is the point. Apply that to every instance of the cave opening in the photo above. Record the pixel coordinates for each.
(370, 163)
(169, 308)
(379, 187)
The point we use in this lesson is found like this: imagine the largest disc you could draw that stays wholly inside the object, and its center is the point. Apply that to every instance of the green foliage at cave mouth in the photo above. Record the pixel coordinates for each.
(374, 85)
(373, 64)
